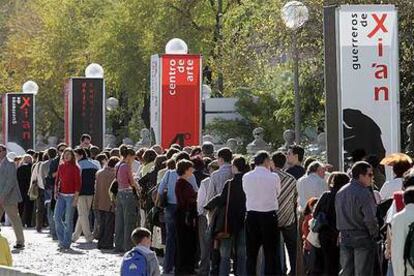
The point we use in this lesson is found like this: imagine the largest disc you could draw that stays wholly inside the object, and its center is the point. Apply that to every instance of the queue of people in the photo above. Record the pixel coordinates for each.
(215, 213)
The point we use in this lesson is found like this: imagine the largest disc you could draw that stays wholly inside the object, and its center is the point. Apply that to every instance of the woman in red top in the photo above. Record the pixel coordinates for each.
(185, 220)
(67, 187)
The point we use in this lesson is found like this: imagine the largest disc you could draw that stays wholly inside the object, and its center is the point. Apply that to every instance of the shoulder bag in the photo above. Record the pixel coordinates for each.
(225, 234)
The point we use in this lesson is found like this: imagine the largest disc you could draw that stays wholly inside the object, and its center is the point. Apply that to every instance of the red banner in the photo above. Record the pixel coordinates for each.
(181, 100)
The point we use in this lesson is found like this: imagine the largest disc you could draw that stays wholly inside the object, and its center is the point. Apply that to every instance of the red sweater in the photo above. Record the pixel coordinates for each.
(68, 180)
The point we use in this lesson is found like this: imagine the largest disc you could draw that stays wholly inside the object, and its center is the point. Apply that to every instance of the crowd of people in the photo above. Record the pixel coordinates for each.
(216, 213)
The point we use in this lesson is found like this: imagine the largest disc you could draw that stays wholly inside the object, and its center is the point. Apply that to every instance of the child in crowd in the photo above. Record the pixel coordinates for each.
(5, 255)
(141, 260)
(308, 258)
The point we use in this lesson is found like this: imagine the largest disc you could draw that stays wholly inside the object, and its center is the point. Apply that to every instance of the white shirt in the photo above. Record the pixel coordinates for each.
(262, 188)
(311, 185)
(390, 187)
(399, 230)
(202, 196)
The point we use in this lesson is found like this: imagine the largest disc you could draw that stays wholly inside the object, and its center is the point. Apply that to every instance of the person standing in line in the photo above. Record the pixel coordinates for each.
(262, 188)
(235, 220)
(394, 185)
(24, 172)
(36, 182)
(328, 235)
(55, 155)
(400, 226)
(311, 185)
(205, 242)
(67, 187)
(103, 206)
(88, 173)
(127, 205)
(287, 209)
(167, 184)
(295, 156)
(10, 196)
(217, 182)
(85, 141)
(357, 223)
(186, 220)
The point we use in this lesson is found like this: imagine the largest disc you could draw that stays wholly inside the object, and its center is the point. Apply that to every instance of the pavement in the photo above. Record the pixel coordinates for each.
(41, 256)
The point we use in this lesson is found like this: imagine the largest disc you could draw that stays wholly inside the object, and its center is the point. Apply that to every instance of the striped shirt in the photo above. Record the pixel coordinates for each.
(287, 199)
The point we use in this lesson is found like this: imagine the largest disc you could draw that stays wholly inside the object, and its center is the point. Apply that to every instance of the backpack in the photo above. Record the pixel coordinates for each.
(409, 248)
(134, 263)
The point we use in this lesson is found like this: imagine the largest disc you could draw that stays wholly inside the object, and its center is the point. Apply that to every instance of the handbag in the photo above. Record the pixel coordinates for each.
(113, 189)
(319, 222)
(162, 201)
(225, 234)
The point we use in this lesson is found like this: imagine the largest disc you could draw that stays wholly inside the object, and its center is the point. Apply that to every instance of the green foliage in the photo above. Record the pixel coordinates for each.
(244, 42)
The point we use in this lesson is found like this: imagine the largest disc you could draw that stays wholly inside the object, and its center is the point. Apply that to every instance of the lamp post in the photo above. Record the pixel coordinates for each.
(295, 14)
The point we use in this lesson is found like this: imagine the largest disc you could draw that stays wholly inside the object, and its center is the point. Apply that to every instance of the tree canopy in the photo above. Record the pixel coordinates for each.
(244, 43)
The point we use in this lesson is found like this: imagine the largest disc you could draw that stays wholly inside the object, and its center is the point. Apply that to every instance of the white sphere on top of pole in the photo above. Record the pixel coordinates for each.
(30, 87)
(176, 46)
(94, 70)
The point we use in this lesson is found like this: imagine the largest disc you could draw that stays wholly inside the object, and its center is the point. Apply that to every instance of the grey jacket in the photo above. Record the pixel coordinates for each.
(356, 212)
(9, 187)
(153, 268)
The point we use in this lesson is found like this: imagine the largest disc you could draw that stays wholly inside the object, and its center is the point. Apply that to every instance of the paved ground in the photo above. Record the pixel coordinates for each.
(41, 255)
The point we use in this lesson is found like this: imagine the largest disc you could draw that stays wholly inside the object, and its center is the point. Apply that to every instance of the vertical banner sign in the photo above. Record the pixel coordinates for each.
(85, 110)
(369, 78)
(18, 121)
(180, 100)
(155, 99)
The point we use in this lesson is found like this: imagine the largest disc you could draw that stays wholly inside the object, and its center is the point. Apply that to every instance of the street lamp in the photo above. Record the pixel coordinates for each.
(176, 46)
(295, 14)
(30, 87)
(111, 103)
(94, 70)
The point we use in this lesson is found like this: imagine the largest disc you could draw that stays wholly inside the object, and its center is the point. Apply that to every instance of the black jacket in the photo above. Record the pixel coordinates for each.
(88, 172)
(237, 206)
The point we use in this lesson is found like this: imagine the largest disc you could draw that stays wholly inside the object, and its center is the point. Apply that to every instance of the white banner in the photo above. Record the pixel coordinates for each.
(155, 98)
(369, 78)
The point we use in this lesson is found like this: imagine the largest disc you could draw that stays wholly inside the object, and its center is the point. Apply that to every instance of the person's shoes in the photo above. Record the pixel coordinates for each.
(18, 246)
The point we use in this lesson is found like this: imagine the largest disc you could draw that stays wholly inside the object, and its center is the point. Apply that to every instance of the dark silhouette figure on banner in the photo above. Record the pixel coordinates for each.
(180, 139)
(361, 133)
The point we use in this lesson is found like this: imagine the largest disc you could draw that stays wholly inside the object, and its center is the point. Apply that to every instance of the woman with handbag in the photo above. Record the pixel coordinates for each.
(233, 235)
(328, 234)
(186, 216)
(127, 205)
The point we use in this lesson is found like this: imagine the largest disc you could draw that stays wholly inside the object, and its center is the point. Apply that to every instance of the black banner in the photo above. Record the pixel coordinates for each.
(87, 110)
(20, 120)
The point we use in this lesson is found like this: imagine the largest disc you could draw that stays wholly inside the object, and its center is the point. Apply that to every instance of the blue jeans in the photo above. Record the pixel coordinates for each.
(49, 213)
(64, 220)
(357, 256)
(126, 219)
(239, 242)
(169, 258)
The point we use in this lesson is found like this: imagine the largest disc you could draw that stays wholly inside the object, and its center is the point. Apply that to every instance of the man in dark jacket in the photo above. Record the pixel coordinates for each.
(88, 173)
(357, 222)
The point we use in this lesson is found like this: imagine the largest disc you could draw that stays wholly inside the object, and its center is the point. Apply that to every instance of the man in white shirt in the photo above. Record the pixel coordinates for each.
(262, 188)
(311, 185)
(399, 230)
